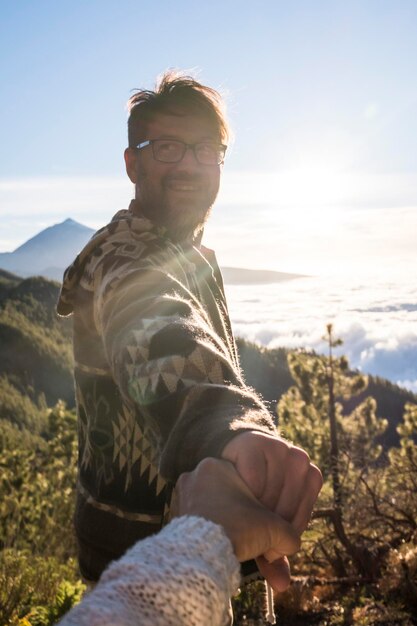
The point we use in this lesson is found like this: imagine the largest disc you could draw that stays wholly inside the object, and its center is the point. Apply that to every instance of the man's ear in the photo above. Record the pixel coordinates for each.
(131, 160)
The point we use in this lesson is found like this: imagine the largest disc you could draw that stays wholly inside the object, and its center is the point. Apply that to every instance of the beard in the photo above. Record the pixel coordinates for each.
(185, 223)
(183, 214)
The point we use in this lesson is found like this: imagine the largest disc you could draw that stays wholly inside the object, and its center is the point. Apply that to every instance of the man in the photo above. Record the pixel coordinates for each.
(158, 383)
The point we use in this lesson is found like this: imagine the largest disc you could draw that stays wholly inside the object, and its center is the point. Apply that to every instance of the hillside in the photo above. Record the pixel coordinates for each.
(36, 355)
(267, 372)
(242, 276)
(35, 346)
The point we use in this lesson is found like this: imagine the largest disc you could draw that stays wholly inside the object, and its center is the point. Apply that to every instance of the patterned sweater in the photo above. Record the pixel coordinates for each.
(158, 384)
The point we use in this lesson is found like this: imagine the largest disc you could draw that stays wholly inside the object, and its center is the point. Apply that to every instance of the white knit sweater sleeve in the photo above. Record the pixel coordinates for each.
(183, 576)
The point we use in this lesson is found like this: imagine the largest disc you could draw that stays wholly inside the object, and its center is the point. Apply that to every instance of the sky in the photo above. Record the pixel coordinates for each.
(322, 97)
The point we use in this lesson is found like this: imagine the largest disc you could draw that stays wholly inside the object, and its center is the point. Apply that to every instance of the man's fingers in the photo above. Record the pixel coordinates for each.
(284, 540)
(277, 473)
(264, 533)
(313, 485)
(277, 574)
(249, 462)
(292, 491)
(261, 461)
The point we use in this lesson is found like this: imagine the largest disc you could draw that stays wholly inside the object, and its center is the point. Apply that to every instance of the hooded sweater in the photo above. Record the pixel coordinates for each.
(157, 379)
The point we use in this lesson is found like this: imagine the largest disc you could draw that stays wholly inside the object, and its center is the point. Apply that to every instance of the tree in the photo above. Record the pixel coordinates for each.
(343, 445)
(38, 486)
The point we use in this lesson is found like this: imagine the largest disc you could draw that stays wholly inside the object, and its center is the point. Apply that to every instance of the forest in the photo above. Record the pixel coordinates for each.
(358, 562)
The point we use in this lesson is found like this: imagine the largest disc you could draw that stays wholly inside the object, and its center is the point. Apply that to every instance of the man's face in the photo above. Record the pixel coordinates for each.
(176, 195)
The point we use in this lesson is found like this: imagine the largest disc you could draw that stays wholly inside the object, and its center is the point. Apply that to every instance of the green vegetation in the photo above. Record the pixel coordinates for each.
(39, 580)
(358, 564)
(35, 346)
(38, 573)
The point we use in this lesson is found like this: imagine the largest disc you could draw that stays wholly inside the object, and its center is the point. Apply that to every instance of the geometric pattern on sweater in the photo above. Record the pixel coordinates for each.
(131, 446)
(158, 377)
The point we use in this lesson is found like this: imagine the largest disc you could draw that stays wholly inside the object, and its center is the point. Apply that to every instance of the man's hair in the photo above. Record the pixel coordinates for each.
(178, 94)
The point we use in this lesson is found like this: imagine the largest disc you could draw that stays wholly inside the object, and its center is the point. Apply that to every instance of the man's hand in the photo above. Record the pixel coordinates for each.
(214, 490)
(283, 479)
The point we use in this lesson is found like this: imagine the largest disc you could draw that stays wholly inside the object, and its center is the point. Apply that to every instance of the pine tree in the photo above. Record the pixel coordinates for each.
(343, 445)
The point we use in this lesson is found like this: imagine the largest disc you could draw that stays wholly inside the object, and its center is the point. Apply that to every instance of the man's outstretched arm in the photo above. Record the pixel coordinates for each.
(169, 360)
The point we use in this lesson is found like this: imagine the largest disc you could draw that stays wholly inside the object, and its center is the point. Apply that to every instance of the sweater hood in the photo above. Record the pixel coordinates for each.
(124, 222)
(127, 223)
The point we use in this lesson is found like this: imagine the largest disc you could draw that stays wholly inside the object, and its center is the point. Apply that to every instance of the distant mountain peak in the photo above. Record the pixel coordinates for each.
(54, 247)
(68, 222)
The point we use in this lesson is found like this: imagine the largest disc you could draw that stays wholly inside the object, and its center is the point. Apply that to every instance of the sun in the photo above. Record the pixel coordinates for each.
(319, 186)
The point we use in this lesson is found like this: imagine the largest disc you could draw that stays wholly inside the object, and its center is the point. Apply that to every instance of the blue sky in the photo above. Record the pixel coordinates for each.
(322, 97)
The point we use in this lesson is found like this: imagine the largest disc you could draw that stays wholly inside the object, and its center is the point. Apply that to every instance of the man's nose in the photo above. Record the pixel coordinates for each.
(189, 160)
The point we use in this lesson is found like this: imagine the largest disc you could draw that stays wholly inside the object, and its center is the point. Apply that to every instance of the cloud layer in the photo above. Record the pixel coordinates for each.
(377, 325)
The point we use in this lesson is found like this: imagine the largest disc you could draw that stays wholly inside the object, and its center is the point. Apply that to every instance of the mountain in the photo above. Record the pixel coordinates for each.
(51, 251)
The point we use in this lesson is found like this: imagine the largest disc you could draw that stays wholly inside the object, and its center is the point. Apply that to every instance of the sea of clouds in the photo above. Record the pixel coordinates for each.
(375, 318)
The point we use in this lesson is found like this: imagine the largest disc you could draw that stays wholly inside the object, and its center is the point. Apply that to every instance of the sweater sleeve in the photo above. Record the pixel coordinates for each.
(183, 576)
(168, 359)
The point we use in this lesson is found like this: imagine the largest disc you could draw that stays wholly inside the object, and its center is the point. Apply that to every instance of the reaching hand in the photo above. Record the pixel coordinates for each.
(284, 480)
(214, 490)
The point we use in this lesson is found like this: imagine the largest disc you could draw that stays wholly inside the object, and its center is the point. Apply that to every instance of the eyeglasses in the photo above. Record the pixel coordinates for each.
(173, 151)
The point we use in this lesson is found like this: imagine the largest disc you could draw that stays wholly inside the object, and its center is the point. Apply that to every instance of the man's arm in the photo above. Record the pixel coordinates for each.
(169, 361)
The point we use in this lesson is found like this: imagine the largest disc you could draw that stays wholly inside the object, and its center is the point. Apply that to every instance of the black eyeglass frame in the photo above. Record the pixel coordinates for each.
(192, 146)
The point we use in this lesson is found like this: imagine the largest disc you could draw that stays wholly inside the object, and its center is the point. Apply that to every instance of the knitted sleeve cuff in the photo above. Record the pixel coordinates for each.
(183, 576)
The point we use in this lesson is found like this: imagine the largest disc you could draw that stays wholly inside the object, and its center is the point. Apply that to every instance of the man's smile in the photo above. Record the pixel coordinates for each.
(182, 186)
